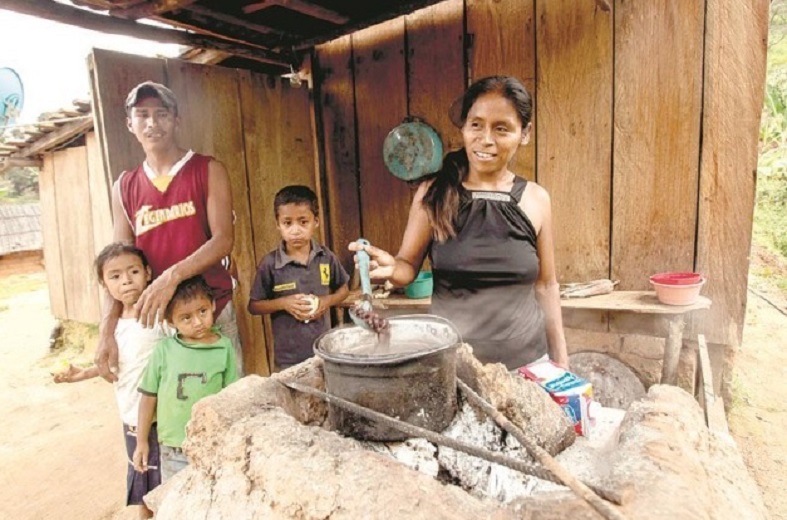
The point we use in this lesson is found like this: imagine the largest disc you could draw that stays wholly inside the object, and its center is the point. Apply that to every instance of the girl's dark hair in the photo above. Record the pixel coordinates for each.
(114, 250)
(187, 290)
(441, 200)
(295, 194)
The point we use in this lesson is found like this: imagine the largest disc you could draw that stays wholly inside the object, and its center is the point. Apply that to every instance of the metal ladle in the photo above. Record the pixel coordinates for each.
(362, 312)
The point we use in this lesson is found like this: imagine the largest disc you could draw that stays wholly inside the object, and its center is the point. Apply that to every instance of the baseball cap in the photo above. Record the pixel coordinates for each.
(149, 89)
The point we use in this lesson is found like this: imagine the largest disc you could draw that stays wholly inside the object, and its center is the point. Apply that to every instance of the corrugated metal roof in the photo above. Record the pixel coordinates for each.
(20, 228)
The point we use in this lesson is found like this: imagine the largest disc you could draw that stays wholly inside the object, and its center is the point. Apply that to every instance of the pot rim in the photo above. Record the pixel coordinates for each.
(388, 359)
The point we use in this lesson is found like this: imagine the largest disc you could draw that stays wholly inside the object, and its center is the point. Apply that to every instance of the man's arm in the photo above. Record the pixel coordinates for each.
(106, 358)
(155, 298)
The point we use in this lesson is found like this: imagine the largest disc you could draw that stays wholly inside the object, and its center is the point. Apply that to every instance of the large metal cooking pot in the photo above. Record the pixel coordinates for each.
(413, 378)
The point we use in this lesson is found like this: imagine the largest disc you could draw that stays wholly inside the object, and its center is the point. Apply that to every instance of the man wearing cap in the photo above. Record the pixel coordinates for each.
(177, 208)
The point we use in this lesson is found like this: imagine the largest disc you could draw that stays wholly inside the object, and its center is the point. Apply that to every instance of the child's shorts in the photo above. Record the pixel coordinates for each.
(172, 461)
(139, 484)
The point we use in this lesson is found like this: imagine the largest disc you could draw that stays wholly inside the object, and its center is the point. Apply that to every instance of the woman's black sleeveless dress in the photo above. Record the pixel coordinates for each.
(484, 278)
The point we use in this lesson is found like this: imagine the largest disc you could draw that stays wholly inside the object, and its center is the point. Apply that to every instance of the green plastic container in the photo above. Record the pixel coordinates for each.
(421, 287)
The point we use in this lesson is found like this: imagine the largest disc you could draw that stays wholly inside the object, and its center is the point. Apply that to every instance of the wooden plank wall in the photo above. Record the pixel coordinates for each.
(100, 210)
(119, 74)
(657, 137)
(380, 105)
(75, 232)
(51, 232)
(258, 126)
(734, 76)
(502, 41)
(624, 100)
(72, 237)
(575, 132)
(279, 151)
(335, 92)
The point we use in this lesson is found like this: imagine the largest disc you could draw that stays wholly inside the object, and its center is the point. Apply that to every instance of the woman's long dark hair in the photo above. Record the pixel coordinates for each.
(441, 200)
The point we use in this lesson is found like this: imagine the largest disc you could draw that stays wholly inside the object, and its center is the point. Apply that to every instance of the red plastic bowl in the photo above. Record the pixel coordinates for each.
(678, 294)
(676, 278)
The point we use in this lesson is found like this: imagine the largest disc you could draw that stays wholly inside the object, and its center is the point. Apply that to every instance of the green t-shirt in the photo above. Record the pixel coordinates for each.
(179, 374)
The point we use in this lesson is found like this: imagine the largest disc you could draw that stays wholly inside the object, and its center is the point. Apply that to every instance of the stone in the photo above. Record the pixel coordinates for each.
(523, 402)
(270, 466)
(669, 465)
(615, 385)
(259, 450)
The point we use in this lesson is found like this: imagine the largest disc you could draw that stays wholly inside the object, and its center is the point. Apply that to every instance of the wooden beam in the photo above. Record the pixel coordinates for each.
(232, 20)
(82, 104)
(56, 137)
(149, 9)
(301, 6)
(204, 56)
(16, 162)
(400, 8)
(54, 11)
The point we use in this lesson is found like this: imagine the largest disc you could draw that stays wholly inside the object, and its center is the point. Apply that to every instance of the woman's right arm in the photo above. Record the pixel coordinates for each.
(403, 268)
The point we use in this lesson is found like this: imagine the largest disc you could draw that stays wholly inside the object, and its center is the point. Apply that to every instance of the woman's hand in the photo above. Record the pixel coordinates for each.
(381, 263)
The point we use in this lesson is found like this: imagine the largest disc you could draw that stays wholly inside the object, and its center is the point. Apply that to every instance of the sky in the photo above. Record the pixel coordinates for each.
(51, 59)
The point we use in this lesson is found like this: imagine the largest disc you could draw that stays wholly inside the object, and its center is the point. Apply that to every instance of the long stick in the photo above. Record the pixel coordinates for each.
(541, 455)
(436, 438)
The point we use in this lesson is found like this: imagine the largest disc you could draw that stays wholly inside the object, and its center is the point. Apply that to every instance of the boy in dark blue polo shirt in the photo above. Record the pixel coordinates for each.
(299, 281)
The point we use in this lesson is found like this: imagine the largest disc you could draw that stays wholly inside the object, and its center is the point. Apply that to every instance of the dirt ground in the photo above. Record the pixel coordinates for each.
(61, 445)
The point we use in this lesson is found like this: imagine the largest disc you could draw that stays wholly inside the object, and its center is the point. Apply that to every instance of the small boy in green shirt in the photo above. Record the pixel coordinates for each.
(198, 361)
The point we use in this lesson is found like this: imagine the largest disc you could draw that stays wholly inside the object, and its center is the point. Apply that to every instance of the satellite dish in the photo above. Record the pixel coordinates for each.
(12, 96)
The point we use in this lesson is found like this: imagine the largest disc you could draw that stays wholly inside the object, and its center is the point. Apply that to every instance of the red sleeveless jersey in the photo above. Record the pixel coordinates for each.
(170, 226)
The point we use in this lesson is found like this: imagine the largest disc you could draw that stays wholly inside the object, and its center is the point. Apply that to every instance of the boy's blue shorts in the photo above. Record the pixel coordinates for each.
(139, 484)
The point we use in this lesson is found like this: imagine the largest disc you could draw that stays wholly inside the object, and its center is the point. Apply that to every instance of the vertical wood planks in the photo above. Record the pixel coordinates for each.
(735, 49)
(658, 71)
(435, 55)
(279, 148)
(279, 151)
(76, 235)
(503, 43)
(211, 124)
(51, 233)
(574, 79)
(100, 211)
(381, 104)
(113, 75)
(336, 91)
(99, 194)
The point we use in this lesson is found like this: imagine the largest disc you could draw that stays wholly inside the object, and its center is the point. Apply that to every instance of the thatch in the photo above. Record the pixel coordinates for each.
(20, 228)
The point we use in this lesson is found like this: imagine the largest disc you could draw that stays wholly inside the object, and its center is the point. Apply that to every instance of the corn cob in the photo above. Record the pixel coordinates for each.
(591, 288)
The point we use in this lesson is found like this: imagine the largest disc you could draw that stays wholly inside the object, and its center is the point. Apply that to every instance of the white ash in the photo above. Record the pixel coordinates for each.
(416, 454)
(586, 458)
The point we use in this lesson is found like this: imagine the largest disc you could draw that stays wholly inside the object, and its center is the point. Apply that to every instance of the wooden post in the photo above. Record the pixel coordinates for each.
(672, 346)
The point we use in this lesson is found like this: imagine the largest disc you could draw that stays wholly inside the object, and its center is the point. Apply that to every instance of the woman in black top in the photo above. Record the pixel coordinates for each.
(489, 236)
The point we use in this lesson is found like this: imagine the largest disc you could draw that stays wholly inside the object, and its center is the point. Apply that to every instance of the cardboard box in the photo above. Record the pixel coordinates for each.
(573, 393)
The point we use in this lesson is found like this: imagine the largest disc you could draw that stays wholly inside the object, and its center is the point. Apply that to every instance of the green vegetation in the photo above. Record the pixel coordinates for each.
(770, 215)
(19, 284)
(19, 185)
(75, 346)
